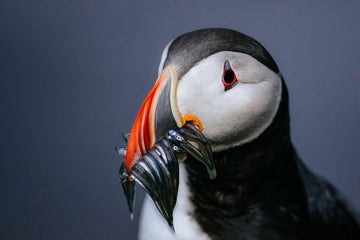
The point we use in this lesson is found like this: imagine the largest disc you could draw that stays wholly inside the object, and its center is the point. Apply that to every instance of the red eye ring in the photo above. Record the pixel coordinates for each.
(229, 77)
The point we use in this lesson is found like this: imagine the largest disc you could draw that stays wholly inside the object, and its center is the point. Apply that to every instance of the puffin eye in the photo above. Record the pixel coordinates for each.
(228, 78)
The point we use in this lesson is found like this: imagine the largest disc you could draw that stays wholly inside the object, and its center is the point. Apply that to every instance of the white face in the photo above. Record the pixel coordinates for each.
(235, 116)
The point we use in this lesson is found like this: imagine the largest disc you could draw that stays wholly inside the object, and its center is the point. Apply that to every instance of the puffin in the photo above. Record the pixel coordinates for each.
(254, 184)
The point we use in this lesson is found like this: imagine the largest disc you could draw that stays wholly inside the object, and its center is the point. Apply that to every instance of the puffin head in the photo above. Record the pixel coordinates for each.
(223, 80)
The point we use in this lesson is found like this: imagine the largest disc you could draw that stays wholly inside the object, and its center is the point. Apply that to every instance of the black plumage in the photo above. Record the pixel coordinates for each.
(188, 49)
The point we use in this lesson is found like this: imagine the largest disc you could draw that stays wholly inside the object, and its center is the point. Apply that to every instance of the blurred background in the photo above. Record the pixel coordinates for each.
(73, 75)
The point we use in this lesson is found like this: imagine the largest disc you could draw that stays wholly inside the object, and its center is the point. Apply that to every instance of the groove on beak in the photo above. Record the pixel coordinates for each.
(158, 113)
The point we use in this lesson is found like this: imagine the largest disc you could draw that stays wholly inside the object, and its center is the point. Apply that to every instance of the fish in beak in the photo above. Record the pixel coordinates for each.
(161, 138)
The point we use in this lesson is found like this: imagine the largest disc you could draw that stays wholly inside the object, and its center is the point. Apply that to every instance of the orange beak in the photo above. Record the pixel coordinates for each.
(158, 114)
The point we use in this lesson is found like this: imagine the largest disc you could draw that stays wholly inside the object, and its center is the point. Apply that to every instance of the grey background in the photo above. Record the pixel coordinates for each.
(73, 75)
